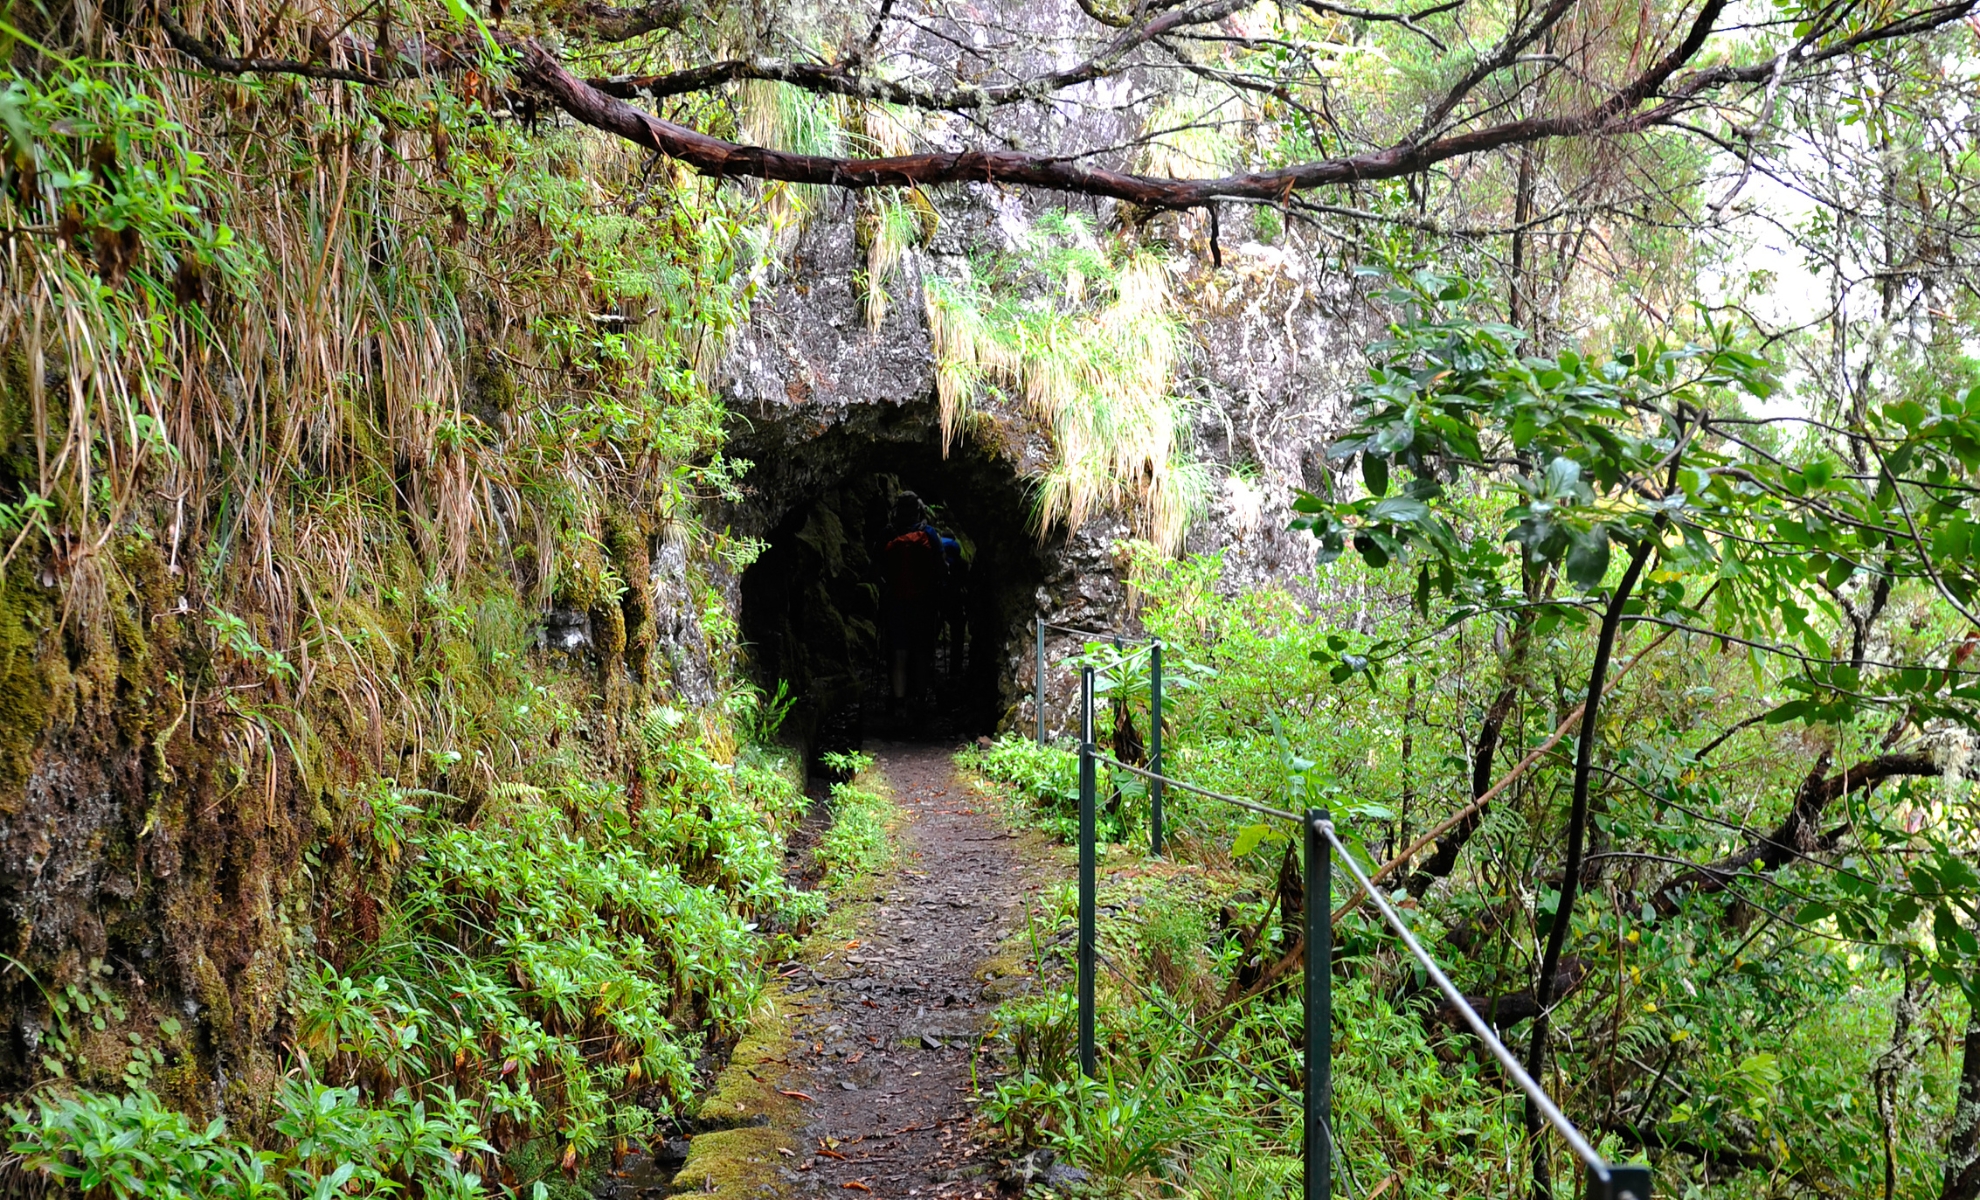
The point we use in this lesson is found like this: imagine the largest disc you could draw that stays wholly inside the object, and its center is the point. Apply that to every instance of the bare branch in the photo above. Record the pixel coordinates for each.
(610, 23)
(1406, 20)
(1622, 112)
(1798, 833)
(210, 57)
(837, 80)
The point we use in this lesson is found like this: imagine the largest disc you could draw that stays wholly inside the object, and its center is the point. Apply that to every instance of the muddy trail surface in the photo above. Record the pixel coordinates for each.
(889, 1020)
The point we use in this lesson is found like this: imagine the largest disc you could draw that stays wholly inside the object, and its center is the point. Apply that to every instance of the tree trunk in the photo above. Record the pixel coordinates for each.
(1550, 964)
(1963, 1142)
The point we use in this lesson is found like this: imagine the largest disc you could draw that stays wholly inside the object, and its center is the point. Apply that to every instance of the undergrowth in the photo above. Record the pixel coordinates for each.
(1768, 1059)
(856, 843)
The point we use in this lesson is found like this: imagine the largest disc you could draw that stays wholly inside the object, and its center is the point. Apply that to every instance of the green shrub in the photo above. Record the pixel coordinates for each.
(133, 1148)
(857, 841)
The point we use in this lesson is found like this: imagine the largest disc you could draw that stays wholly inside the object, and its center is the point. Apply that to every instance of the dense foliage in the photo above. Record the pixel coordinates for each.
(1747, 882)
(294, 461)
(336, 371)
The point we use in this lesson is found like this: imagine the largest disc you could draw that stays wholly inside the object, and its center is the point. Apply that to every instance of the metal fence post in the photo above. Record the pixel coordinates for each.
(1155, 748)
(1624, 1183)
(1038, 683)
(1088, 1064)
(1319, 1008)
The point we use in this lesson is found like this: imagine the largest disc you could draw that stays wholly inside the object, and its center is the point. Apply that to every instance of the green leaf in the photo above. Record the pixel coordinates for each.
(1947, 931)
(1790, 711)
(1248, 839)
(1563, 476)
(1588, 558)
(1399, 510)
(1375, 473)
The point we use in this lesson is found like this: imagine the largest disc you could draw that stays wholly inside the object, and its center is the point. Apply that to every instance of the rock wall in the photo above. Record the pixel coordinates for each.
(1276, 333)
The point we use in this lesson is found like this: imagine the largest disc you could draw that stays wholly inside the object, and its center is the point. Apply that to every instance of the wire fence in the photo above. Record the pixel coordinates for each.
(1322, 845)
(1095, 634)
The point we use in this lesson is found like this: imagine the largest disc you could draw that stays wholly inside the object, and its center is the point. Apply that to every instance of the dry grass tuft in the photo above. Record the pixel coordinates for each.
(1091, 355)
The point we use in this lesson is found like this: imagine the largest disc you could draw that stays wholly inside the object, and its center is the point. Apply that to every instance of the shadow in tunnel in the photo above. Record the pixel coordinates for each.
(896, 588)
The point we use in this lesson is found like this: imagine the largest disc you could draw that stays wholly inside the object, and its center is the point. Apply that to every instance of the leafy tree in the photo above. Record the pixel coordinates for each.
(1636, 492)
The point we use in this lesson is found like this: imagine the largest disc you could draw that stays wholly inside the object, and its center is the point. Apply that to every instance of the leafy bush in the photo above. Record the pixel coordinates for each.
(857, 841)
(328, 1141)
(133, 1148)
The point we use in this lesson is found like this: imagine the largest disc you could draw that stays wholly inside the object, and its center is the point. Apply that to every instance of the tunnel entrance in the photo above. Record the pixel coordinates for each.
(871, 640)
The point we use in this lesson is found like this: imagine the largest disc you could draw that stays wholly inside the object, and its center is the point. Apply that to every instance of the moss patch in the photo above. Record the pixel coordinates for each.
(735, 1164)
(24, 691)
(762, 1123)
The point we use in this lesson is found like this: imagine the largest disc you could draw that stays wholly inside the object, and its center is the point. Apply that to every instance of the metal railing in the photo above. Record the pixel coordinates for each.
(1606, 1180)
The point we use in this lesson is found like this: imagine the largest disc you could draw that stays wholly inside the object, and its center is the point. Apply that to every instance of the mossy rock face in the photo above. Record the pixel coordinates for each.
(608, 630)
(24, 688)
(626, 541)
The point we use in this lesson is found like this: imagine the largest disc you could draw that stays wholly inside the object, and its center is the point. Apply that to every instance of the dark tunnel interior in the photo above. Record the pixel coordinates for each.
(877, 637)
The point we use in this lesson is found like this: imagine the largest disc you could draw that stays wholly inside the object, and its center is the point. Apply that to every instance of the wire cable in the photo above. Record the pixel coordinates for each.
(1597, 1165)
(1094, 633)
(1253, 805)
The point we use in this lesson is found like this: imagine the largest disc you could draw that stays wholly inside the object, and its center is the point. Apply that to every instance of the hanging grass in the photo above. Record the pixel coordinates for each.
(1087, 341)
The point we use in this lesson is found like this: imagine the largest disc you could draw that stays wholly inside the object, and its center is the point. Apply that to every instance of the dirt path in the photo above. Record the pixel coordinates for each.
(890, 1018)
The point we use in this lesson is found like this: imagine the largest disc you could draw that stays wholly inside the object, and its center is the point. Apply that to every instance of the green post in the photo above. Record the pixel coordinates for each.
(1155, 748)
(1319, 1008)
(1088, 1064)
(1038, 683)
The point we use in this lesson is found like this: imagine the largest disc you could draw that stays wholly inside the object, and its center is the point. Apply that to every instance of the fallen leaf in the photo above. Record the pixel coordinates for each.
(789, 1153)
(855, 1185)
(855, 1056)
(832, 1154)
(795, 1095)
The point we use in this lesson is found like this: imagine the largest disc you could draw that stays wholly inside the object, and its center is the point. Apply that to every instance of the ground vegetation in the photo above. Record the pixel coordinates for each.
(387, 812)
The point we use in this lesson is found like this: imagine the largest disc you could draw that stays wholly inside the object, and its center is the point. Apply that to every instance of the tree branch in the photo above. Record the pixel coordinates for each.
(1584, 758)
(837, 80)
(539, 69)
(1799, 832)
(610, 23)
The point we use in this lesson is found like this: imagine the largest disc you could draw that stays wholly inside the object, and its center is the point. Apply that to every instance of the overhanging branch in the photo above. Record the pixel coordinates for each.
(610, 23)
(1623, 111)
(1798, 834)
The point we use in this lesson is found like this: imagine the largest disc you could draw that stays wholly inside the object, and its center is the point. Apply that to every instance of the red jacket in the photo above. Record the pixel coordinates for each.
(914, 568)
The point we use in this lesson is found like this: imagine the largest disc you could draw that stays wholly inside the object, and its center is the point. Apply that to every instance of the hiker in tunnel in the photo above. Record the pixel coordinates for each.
(915, 564)
(892, 579)
(953, 617)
